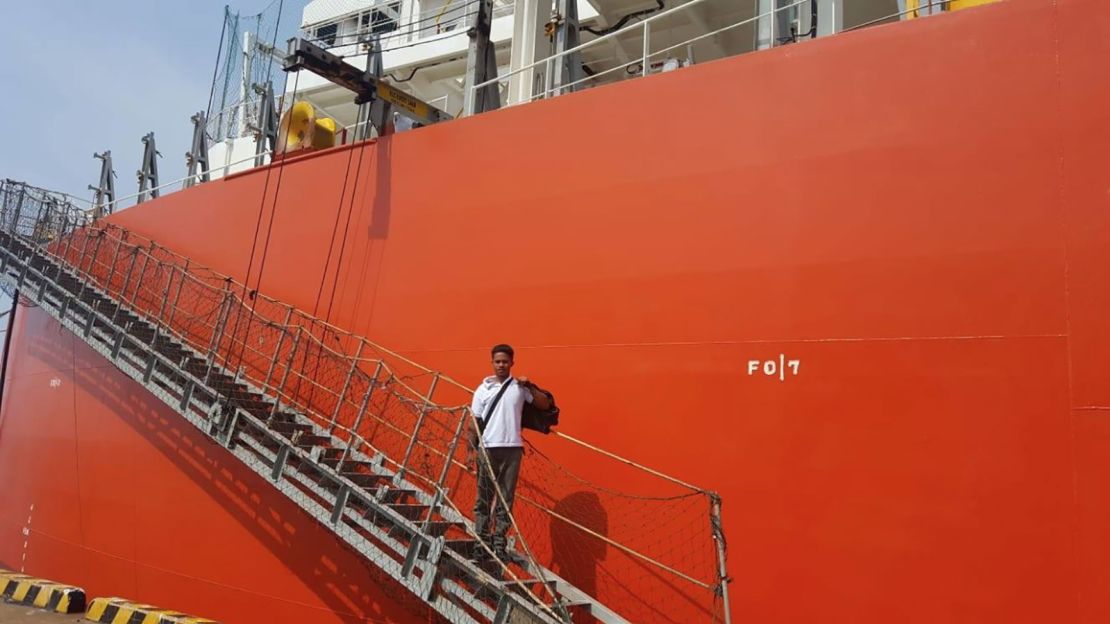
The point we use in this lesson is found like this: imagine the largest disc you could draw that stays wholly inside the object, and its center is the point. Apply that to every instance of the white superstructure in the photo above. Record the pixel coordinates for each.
(424, 46)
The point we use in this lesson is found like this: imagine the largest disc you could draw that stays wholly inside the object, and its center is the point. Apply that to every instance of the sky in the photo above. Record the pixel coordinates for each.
(82, 77)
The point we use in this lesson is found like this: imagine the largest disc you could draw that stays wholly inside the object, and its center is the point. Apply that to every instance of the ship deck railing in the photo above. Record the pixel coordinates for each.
(651, 58)
(642, 31)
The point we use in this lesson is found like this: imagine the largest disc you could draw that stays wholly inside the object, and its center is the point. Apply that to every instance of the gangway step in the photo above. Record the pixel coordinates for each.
(288, 429)
(310, 440)
(364, 478)
(464, 547)
(397, 495)
(410, 511)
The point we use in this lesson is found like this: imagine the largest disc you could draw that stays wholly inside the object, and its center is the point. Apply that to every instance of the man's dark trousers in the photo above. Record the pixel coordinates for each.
(505, 464)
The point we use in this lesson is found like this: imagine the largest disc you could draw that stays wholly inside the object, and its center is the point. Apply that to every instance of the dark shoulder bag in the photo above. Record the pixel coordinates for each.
(540, 420)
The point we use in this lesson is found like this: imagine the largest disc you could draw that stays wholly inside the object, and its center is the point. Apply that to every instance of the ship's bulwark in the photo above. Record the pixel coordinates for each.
(916, 214)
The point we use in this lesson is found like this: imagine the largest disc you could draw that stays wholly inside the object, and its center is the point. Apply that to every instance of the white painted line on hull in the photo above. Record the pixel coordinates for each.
(26, 534)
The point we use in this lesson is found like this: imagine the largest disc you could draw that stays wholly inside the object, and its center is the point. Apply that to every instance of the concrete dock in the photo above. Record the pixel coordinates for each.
(18, 614)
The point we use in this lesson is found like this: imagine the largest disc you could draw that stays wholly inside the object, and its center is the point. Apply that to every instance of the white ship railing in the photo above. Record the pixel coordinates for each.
(644, 28)
(456, 16)
(452, 18)
(920, 10)
(178, 184)
(220, 170)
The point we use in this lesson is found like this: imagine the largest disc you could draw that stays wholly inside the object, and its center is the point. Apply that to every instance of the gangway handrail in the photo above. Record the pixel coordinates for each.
(312, 320)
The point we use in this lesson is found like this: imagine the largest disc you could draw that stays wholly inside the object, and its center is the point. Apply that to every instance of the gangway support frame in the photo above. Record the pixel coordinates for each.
(148, 173)
(105, 198)
(481, 64)
(196, 159)
(267, 128)
(568, 69)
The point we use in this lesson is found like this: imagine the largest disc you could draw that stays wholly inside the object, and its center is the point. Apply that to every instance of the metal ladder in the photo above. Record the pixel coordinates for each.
(397, 525)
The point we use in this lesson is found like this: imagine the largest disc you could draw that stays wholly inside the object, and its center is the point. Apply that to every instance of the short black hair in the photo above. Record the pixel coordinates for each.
(502, 348)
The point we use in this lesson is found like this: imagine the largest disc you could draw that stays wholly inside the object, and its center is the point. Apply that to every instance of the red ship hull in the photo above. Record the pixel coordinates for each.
(917, 215)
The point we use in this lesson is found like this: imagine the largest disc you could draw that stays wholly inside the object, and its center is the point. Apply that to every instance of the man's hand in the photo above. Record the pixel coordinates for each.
(539, 397)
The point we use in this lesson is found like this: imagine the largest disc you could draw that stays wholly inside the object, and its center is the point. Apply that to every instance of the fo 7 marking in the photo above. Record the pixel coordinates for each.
(780, 368)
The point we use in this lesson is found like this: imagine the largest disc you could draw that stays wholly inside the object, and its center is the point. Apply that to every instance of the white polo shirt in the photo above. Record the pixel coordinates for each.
(503, 425)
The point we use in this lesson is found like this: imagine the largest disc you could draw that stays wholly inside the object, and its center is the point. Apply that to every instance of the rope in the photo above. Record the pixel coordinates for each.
(335, 225)
(347, 225)
(570, 473)
(346, 231)
(261, 209)
(629, 462)
(331, 246)
(619, 546)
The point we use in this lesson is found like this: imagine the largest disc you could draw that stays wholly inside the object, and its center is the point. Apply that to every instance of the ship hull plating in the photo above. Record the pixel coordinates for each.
(858, 286)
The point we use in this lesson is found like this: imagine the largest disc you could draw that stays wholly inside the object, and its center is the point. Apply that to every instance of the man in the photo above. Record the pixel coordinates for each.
(498, 405)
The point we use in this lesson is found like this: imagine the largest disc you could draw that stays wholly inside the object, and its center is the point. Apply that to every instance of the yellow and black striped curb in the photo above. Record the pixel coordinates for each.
(121, 611)
(33, 592)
